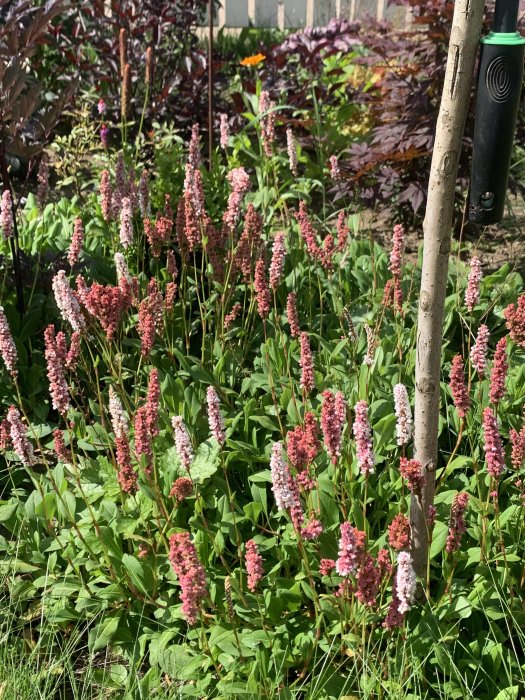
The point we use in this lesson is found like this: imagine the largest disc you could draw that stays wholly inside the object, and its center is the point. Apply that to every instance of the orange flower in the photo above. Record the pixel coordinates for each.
(253, 60)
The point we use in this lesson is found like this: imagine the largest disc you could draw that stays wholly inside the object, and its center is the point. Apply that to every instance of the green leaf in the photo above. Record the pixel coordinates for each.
(439, 538)
(102, 634)
(140, 576)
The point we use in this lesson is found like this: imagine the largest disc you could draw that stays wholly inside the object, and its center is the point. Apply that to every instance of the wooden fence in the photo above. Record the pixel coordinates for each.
(297, 14)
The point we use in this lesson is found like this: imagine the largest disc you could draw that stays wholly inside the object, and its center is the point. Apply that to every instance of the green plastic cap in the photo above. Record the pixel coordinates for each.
(502, 39)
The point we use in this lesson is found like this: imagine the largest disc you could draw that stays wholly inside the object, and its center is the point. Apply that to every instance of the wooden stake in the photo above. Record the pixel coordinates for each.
(437, 228)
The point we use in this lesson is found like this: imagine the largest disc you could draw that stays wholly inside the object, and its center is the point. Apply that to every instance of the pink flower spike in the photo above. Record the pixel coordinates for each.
(351, 549)
(285, 497)
(182, 441)
(254, 565)
(474, 279)
(312, 530)
(291, 315)
(277, 264)
(8, 349)
(368, 581)
(21, 445)
(499, 372)
(6, 215)
(306, 363)
(333, 419)
(403, 414)
(292, 152)
(493, 446)
(478, 353)
(215, 420)
(458, 387)
(405, 582)
(412, 471)
(515, 318)
(76, 242)
(457, 525)
(363, 439)
(262, 291)
(224, 131)
(326, 566)
(517, 440)
(191, 575)
(398, 247)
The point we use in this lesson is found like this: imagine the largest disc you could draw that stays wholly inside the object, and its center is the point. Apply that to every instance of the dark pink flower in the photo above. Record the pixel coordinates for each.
(191, 574)
(306, 363)
(292, 316)
(412, 471)
(457, 525)
(493, 446)
(143, 446)
(368, 580)
(312, 530)
(515, 317)
(152, 403)
(6, 215)
(254, 565)
(260, 286)
(499, 372)
(399, 533)
(398, 247)
(277, 263)
(326, 566)
(302, 443)
(61, 451)
(230, 317)
(182, 488)
(127, 476)
(517, 440)
(458, 387)
(333, 419)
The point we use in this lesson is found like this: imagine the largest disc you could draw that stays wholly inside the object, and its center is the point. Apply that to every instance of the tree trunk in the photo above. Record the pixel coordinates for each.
(437, 227)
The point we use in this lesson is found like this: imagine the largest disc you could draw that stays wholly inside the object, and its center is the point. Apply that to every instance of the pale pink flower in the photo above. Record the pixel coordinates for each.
(215, 419)
(191, 575)
(254, 565)
(267, 121)
(67, 302)
(126, 223)
(371, 345)
(478, 352)
(182, 441)
(285, 497)
(106, 196)
(335, 172)
(224, 131)
(240, 182)
(403, 414)
(7, 345)
(55, 354)
(119, 421)
(292, 152)
(398, 247)
(101, 106)
(122, 269)
(6, 215)
(21, 445)
(474, 279)
(363, 439)
(277, 264)
(143, 192)
(351, 549)
(493, 446)
(405, 582)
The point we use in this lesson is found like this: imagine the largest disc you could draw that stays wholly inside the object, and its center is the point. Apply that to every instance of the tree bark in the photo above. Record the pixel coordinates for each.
(437, 227)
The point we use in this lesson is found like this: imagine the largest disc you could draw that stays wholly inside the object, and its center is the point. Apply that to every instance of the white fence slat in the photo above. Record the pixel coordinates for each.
(294, 14)
(324, 10)
(266, 13)
(236, 13)
(297, 14)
